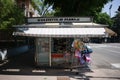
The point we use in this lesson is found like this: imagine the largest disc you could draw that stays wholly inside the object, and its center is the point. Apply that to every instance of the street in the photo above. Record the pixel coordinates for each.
(106, 55)
(105, 65)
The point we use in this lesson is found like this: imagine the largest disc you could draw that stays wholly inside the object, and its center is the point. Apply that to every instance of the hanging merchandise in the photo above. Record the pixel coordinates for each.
(82, 61)
(87, 58)
(82, 51)
(89, 49)
(77, 44)
(67, 56)
(77, 53)
(86, 49)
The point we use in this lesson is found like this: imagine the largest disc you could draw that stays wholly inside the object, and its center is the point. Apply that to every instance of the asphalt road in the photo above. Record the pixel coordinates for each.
(106, 55)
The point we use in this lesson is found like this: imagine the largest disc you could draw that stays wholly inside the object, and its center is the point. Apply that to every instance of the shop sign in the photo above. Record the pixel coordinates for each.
(59, 19)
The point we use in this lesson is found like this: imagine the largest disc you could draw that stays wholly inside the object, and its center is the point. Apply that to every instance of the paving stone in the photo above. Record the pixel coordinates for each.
(63, 78)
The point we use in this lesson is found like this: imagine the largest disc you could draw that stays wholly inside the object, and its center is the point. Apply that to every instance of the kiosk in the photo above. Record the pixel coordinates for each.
(54, 35)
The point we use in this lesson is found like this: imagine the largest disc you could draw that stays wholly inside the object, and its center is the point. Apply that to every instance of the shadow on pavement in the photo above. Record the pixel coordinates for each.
(24, 65)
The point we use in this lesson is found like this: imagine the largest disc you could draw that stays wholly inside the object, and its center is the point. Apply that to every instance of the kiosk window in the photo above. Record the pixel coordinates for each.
(59, 45)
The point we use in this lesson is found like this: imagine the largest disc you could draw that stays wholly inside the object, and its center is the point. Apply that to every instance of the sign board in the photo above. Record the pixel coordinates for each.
(58, 19)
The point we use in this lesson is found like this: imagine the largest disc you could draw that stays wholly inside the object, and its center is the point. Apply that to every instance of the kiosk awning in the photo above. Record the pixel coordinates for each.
(61, 32)
(62, 25)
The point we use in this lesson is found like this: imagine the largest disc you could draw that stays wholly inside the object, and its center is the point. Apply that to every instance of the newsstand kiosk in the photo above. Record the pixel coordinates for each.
(54, 36)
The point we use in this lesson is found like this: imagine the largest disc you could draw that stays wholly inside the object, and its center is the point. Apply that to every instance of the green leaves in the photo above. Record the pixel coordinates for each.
(42, 8)
(117, 20)
(77, 7)
(103, 18)
(10, 14)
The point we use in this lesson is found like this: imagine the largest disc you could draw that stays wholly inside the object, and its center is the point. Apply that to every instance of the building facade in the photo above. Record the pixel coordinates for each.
(26, 6)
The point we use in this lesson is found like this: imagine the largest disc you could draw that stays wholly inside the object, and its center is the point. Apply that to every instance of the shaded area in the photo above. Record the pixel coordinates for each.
(22, 61)
(24, 65)
(17, 51)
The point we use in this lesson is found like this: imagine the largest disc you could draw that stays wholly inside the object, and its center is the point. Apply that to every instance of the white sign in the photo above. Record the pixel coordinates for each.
(59, 19)
(3, 54)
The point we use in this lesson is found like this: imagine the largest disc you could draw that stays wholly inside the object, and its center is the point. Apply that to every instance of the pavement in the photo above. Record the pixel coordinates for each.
(96, 74)
(22, 67)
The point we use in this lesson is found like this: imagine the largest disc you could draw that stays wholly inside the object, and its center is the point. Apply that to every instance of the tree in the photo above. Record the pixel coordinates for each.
(10, 14)
(77, 7)
(103, 18)
(42, 8)
(116, 25)
(119, 8)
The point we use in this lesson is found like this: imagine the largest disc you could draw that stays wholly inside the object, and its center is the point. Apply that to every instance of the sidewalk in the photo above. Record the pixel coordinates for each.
(104, 74)
(96, 74)
(19, 77)
(22, 68)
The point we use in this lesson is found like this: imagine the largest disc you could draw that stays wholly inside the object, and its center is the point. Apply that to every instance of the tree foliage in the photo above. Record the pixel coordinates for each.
(116, 19)
(10, 14)
(42, 8)
(103, 18)
(77, 7)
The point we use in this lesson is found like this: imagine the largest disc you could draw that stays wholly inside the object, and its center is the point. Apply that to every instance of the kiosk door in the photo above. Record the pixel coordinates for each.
(43, 51)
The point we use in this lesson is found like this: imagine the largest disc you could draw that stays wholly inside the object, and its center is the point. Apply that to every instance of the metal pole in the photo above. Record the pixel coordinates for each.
(110, 10)
(50, 51)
